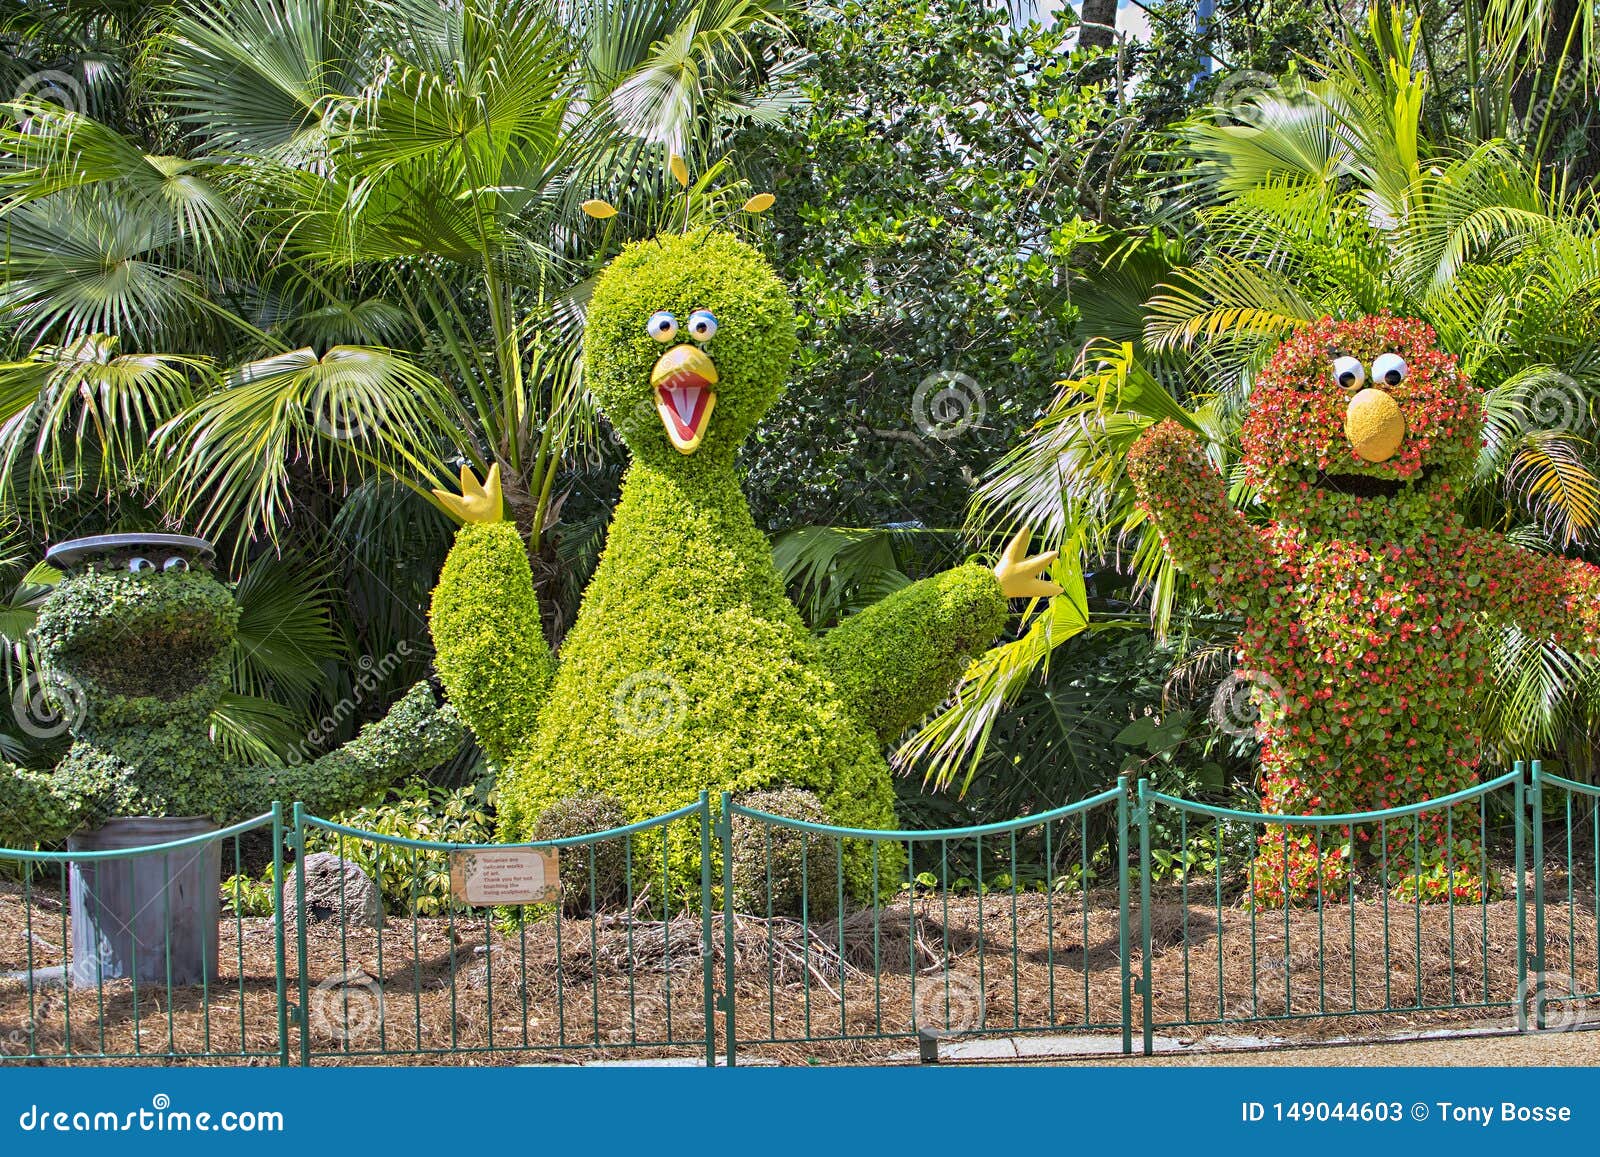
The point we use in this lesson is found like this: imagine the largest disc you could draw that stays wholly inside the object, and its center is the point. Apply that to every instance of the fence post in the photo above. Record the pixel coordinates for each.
(708, 953)
(304, 1011)
(1521, 808)
(1536, 960)
(280, 951)
(725, 839)
(1141, 816)
(1123, 937)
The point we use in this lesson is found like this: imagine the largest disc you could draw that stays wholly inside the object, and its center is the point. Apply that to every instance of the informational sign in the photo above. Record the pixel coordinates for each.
(485, 877)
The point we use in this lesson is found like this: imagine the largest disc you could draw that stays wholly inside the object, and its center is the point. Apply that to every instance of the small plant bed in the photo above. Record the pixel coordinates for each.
(478, 988)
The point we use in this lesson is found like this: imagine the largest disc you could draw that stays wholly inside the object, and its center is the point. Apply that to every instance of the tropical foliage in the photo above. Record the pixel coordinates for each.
(1334, 194)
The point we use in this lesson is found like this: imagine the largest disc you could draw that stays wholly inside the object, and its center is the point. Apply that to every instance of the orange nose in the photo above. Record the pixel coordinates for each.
(1375, 425)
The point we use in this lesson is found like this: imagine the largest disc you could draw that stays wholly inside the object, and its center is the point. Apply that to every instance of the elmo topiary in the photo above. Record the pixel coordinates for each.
(688, 669)
(1366, 599)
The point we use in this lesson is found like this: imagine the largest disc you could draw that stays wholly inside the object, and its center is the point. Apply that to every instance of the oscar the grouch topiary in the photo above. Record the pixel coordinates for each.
(688, 669)
(1367, 599)
(137, 638)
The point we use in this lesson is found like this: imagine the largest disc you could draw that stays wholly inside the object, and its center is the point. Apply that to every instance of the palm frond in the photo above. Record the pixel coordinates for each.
(352, 408)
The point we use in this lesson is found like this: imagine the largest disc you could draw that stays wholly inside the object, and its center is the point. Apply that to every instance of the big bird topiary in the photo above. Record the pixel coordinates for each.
(136, 642)
(1368, 601)
(687, 668)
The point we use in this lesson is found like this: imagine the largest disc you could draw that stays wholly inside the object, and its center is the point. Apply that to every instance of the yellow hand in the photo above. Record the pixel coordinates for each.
(1019, 575)
(477, 502)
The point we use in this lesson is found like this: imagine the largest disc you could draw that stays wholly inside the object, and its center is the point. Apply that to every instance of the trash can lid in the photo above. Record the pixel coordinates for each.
(66, 555)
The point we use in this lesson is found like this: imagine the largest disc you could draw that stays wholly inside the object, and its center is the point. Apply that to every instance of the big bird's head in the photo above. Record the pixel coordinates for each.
(688, 343)
(1361, 420)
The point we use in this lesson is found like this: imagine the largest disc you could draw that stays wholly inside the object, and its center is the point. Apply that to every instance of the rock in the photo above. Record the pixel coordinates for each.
(335, 889)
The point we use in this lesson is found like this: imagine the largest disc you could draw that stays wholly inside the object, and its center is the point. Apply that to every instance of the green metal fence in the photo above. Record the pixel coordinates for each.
(1562, 972)
(968, 931)
(1127, 916)
(238, 1012)
(618, 968)
(1349, 948)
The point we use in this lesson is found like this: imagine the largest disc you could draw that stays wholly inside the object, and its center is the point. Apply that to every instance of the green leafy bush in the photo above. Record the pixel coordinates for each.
(139, 660)
(245, 895)
(794, 871)
(413, 882)
(593, 875)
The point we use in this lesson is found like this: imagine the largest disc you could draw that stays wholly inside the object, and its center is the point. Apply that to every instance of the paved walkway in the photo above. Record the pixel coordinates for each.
(1549, 1048)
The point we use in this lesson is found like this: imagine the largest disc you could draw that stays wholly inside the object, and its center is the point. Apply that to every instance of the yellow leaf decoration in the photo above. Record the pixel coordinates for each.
(599, 209)
(679, 169)
(760, 203)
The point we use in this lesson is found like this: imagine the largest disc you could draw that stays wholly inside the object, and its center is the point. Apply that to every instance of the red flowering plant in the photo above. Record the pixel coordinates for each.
(1366, 600)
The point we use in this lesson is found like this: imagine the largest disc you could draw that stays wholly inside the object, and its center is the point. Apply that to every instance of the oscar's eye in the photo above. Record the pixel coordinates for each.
(140, 565)
(1348, 373)
(662, 326)
(702, 325)
(176, 562)
(1390, 369)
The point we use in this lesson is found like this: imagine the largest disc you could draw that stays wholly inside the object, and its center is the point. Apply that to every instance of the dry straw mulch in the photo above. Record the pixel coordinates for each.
(472, 990)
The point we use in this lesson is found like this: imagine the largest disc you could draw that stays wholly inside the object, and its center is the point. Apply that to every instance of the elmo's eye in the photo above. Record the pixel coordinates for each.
(176, 562)
(1389, 369)
(662, 326)
(1348, 373)
(140, 565)
(702, 325)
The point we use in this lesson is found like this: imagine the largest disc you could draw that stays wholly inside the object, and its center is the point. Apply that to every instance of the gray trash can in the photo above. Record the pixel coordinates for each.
(151, 917)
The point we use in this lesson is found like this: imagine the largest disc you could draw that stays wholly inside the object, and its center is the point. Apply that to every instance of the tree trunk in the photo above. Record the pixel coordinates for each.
(1099, 23)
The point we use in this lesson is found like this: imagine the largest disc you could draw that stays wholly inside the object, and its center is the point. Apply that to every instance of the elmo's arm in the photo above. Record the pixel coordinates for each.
(1184, 495)
(1553, 599)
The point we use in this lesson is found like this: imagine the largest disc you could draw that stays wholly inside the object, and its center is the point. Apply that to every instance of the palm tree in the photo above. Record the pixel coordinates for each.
(343, 179)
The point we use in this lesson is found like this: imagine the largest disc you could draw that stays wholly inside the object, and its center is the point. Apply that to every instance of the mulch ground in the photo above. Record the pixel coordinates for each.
(472, 990)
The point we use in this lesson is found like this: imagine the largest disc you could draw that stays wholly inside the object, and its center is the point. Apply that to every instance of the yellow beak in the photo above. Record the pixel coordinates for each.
(1375, 425)
(683, 380)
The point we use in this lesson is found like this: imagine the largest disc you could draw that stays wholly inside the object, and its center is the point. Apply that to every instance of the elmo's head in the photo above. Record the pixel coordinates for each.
(1357, 417)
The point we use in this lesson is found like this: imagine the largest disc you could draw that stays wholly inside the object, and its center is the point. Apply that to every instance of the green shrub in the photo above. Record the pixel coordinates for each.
(593, 875)
(139, 660)
(412, 882)
(796, 872)
(245, 895)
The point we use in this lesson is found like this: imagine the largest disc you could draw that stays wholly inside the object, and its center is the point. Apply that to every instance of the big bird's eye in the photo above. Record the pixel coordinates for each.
(140, 565)
(176, 562)
(1389, 369)
(1348, 373)
(662, 326)
(702, 325)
